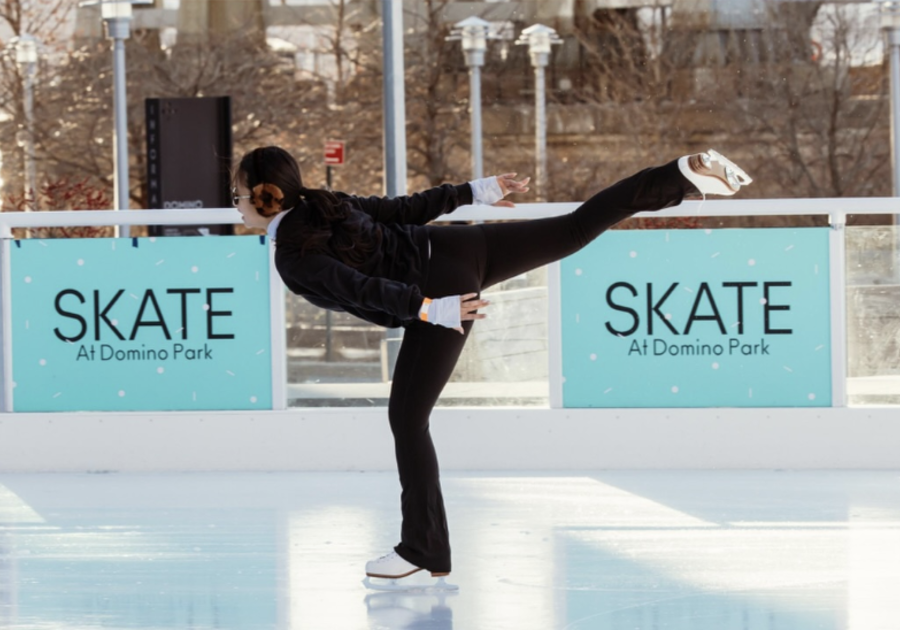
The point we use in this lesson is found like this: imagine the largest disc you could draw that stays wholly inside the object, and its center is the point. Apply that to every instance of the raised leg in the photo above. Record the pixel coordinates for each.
(514, 248)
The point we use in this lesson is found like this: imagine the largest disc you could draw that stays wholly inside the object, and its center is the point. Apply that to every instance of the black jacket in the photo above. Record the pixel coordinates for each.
(386, 290)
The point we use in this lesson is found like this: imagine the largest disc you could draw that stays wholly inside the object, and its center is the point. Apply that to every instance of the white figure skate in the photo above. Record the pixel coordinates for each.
(713, 174)
(393, 573)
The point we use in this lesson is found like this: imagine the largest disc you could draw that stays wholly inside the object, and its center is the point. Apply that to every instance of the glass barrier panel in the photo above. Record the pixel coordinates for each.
(873, 315)
(337, 360)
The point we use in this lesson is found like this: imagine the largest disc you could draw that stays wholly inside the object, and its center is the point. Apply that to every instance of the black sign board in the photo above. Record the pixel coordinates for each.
(189, 155)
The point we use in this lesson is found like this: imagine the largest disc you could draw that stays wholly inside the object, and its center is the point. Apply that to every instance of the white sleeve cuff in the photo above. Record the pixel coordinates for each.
(444, 312)
(486, 191)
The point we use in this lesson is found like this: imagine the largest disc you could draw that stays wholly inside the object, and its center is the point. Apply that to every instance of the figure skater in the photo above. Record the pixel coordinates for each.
(379, 259)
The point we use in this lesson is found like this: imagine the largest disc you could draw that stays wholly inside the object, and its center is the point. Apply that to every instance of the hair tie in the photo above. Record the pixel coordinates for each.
(267, 199)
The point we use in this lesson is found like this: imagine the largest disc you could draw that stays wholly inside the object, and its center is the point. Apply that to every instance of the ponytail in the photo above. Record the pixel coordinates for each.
(326, 225)
(328, 207)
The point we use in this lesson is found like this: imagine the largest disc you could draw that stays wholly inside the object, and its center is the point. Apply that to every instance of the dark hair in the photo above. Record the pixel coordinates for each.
(326, 223)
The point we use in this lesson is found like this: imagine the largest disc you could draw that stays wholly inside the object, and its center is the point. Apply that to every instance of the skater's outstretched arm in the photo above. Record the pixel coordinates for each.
(423, 207)
(418, 208)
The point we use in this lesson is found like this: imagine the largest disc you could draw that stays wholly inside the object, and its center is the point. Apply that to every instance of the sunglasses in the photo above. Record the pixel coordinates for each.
(236, 198)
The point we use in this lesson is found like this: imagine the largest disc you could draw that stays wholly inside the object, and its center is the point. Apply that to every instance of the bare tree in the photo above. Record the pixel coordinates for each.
(818, 116)
(437, 144)
(808, 116)
(44, 20)
(344, 65)
(622, 96)
(807, 127)
(436, 108)
(75, 134)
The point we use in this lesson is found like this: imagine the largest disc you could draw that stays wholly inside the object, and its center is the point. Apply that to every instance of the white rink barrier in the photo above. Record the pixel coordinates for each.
(493, 438)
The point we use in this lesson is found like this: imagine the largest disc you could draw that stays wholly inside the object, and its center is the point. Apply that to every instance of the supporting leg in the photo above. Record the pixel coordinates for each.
(427, 357)
(425, 363)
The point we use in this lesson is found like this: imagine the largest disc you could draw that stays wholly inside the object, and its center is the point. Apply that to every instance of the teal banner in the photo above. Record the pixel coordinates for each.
(141, 324)
(698, 318)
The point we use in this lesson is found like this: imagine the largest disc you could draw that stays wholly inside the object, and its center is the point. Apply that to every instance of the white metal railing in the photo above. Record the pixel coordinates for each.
(837, 211)
(103, 218)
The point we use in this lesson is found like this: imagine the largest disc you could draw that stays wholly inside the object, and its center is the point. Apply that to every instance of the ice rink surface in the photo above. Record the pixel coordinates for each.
(677, 550)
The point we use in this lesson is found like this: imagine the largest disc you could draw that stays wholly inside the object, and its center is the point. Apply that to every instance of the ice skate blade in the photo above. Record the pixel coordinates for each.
(741, 175)
(402, 585)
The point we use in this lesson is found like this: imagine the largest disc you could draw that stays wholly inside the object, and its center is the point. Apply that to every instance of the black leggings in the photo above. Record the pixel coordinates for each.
(468, 259)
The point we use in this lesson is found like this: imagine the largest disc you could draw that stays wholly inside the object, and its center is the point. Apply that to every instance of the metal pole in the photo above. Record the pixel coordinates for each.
(894, 41)
(473, 33)
(30, 170)
(837, 246)
(329, 318)
(394, 131)
(394, 99)
(540, 133)
(121, 123)
(540, 39)
(6, 337)
(475, 114)
(277, 319)
(893, 36)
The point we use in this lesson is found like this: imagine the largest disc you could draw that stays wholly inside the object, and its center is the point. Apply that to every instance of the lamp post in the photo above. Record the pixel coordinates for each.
(474, 32)
(27, 58)
(394, 87)
(539, 39)
(395, 167)
(116, 14)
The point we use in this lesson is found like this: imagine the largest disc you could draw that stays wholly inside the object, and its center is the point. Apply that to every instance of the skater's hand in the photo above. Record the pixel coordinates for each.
(508, 184)
(468, 308)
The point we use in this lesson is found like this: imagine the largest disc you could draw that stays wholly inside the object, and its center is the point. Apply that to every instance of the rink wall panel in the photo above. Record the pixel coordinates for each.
(467, 439)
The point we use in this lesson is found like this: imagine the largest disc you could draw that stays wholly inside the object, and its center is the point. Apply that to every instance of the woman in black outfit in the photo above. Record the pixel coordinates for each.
(378, 259)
